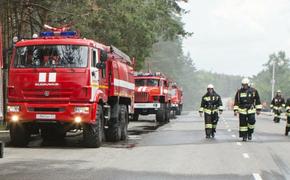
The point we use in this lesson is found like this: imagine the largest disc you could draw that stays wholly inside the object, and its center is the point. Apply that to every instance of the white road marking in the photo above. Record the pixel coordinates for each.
(229, 130)
(239, 144)
(234, 136)
(134, 137)
(257, 176)
(246, 155)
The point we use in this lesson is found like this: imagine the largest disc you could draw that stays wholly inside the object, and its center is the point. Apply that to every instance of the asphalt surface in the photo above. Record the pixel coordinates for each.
(177, 150)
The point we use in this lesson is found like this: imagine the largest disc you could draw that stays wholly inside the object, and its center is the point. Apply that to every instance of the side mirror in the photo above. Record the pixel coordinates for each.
(103, 56)
(101, 65)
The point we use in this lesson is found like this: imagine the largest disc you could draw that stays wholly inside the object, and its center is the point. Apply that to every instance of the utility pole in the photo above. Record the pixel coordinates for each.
(1, 76)
(273, 78)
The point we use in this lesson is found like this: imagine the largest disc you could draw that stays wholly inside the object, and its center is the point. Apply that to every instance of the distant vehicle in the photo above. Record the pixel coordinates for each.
(151, 96)
(59, 82)
(176, 96)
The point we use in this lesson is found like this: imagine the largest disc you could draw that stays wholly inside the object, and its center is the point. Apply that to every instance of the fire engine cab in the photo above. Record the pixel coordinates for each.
(60, 82)
(151, 96)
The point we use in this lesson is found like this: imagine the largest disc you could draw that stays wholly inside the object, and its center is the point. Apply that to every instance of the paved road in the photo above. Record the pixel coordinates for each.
(177, 150)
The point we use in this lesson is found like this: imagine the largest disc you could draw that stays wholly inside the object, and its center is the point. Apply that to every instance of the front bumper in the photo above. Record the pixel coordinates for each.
(51, 113)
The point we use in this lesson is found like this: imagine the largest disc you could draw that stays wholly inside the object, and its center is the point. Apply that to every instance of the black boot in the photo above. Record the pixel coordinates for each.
(286, 131)
(245, 138)
(250, 137)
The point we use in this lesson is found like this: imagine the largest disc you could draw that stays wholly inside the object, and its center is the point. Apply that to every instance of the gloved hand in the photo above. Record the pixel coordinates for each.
(235, 113)
(200, 114)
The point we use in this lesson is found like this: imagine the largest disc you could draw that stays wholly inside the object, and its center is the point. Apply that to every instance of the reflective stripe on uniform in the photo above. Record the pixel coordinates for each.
(236, 108)
(251, 126)
(208, 125)
(251, 111)
(243, 94)
(277, 107)
(209, 111)
(243, 128)
(287, 108)
(201, 109)
(214, 126)
(259, 106)
(206, 98)
(221, 108)
(278, 116)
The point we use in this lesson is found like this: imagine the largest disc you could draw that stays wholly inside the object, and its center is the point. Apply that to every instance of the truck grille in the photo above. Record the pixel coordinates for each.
(31, 109)
(141, 97)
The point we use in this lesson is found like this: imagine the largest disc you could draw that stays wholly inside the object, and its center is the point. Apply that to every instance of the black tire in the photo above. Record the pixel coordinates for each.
(167, 114)
(135, 117)
(19, 134)
(114, 131)
(124, 117)
(174, 114)
(160, 115)
(178, 111)
(93, 133)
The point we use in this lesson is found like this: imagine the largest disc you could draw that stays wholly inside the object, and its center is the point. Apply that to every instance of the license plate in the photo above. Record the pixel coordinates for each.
(45, 116)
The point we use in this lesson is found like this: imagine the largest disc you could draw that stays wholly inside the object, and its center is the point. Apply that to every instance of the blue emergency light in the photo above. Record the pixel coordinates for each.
(64, 34)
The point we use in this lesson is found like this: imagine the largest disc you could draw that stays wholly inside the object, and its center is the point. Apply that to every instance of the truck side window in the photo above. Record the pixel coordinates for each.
(103, 71)
(94, 60)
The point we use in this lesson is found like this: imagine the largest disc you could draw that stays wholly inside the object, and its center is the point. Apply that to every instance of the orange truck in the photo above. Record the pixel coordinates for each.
(60, 82)
(152, 96)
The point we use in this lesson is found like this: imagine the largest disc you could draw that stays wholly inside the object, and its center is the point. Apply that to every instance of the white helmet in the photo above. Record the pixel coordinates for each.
(210, 86)
(246, 81)
(278, 91)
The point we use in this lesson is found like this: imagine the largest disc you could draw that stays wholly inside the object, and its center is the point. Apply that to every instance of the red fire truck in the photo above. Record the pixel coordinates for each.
(60, 82)
(176, 95)
(151, 96)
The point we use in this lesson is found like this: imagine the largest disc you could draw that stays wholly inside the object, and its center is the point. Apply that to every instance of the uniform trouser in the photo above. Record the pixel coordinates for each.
(288, 124)
(247, 124)
(210, 121)
(277, 115)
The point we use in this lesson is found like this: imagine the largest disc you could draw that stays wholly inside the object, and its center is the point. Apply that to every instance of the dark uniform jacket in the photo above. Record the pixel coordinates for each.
(287, 106)
(211, 103)
(247, 101)
(277, 103)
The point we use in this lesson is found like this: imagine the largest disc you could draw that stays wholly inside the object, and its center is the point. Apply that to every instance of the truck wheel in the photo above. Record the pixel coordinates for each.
(93, 133)
(167, 114)
(178, 110)
(19, 134)
(114, 131)
(173, 113)
(124, 122)
(160, 115)
(135, 117)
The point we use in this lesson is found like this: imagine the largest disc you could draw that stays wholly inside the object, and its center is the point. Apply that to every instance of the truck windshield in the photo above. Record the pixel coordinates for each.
(147, 82)
(43, 56)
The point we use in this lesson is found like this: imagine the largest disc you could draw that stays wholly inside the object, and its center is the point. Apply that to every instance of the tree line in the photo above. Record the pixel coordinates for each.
(131, 25)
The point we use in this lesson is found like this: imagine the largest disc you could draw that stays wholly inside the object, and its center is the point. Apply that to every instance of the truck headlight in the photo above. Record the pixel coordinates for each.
(13, 108)
(82, 109)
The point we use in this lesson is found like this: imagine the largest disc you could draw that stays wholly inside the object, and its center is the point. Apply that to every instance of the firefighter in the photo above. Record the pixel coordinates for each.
(247, 103)
(277, 104)
(211, 104)
(287, 129)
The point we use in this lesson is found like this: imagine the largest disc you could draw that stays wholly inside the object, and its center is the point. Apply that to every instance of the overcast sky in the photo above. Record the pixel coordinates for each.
(236, 36)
